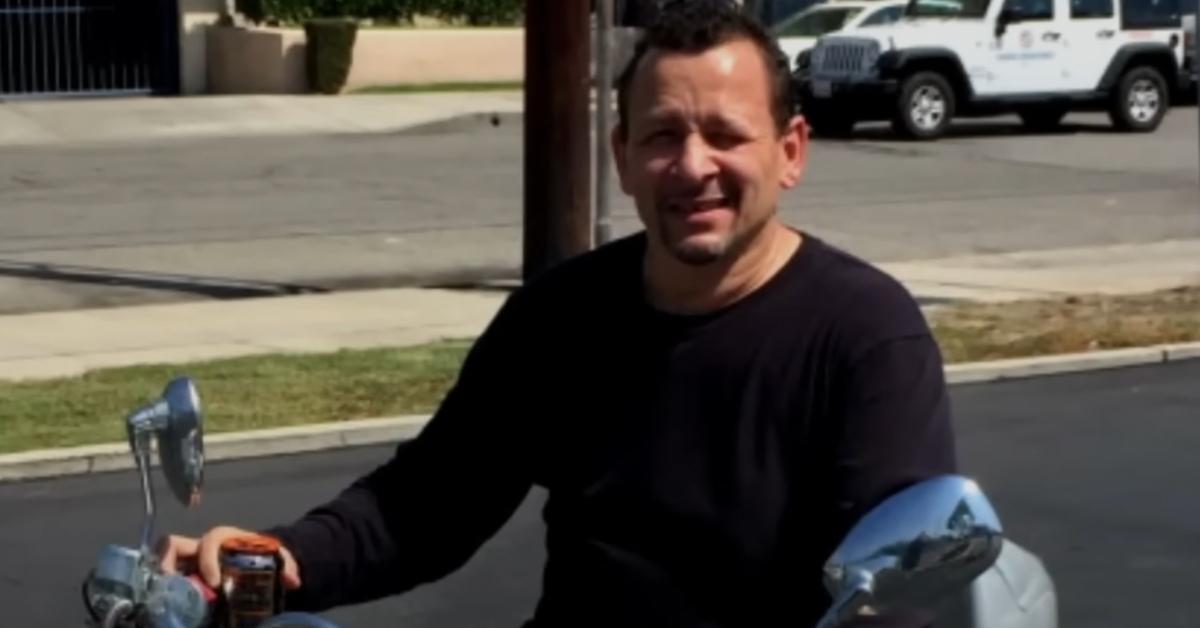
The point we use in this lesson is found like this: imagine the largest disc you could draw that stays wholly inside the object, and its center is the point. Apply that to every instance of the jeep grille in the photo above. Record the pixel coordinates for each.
(844, 58)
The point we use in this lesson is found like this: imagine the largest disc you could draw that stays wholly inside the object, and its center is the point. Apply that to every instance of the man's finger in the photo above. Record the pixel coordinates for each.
(291, 571)
(210, 554)
(165, 548)
(173, 548)
(291, 580)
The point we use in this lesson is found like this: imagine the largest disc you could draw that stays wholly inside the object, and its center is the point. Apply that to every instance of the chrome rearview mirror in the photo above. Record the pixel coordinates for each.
(176, 422)
(181, 442)
(913, 550)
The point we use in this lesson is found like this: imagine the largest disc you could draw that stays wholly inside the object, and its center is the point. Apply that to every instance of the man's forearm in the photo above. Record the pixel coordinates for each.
(411, 521)
(340, 548)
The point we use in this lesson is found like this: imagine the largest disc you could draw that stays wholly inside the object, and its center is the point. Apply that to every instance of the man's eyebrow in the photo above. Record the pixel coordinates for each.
(662, 115)
(721, 120)
(724, 120)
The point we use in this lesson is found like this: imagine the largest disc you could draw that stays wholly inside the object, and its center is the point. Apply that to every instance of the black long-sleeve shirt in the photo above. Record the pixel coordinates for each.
(700, 469)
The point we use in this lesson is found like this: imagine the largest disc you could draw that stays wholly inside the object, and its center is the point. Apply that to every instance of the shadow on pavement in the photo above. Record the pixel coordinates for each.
(968, 128)
(973, 129)
(213, 287)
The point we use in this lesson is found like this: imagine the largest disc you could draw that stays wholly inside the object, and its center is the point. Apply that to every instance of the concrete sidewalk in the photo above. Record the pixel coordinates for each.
(141, 119)
(1115, 269)
(71, 342)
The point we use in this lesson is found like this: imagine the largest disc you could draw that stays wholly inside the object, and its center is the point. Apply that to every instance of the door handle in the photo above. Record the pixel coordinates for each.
(1105, 34)
(1051, 36)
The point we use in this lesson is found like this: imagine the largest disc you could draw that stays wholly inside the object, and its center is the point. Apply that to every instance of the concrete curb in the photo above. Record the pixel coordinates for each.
(996, 370)
(47, 463)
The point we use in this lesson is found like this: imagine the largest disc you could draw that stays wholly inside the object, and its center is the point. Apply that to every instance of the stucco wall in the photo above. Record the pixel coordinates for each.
(255, 61)
(264, 60)
(437, 56)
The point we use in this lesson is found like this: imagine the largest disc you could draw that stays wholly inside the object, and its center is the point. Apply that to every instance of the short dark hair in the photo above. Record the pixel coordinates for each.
(698, 25)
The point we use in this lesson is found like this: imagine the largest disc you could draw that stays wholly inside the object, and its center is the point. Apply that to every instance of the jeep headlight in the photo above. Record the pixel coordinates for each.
(871, 58)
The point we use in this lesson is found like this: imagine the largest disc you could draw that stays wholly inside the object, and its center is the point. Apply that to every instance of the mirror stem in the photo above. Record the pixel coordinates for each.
(847, 606)
(149, 418)
(141, 424)
(142, 453)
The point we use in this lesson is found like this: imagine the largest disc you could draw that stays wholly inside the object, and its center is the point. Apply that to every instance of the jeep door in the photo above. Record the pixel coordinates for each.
(1092, 37)
(1028, 53)
(1098, 29)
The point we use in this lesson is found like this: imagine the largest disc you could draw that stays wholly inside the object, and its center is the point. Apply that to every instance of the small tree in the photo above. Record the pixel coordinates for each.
(329, 52)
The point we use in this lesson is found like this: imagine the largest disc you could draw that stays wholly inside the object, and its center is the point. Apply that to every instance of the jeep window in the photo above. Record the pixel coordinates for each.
(1031, 9)
(1150, 14)
(817, 22)
(884, 16)
(947, 8)
(1084, 9)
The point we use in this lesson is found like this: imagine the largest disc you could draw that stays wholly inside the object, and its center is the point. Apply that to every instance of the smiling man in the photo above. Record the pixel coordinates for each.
(706, 142)
(711, 403)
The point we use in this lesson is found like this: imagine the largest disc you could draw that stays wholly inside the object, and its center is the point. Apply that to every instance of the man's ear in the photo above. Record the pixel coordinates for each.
(794, 145)
(617, 141)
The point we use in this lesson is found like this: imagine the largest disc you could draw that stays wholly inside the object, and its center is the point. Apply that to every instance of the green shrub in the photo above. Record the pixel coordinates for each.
(254, 10)
(477, 12)
(329, 52)
(473, 12)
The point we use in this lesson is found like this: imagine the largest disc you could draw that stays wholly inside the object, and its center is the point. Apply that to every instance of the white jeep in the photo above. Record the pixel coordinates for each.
(1037, 58)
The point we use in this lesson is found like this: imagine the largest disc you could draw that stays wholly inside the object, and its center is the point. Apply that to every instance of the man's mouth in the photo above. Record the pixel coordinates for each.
(688, 207)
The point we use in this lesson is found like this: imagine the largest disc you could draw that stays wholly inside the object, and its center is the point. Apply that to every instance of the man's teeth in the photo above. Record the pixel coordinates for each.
(702, 205)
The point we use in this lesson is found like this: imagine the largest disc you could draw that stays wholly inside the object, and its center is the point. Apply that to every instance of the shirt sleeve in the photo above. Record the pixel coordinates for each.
(424, 513)
(895, 424)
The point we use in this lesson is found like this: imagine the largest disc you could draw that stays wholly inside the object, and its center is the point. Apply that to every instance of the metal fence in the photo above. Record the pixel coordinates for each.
(87, 47)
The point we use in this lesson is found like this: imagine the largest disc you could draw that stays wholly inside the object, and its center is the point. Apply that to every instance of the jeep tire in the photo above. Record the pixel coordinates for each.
(1140, 100)
(924, 107)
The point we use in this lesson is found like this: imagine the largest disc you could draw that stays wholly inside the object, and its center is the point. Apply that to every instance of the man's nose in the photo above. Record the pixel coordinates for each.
(695, 160)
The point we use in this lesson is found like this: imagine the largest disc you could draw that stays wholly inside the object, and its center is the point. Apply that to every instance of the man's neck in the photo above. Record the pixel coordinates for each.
(680, 288)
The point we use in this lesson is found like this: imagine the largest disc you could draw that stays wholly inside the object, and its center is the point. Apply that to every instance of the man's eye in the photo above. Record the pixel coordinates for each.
(725, 139)
(660, 136)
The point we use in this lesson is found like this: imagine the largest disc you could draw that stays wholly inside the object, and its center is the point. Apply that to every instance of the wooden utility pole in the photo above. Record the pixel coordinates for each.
(602, 213)
(557, 133)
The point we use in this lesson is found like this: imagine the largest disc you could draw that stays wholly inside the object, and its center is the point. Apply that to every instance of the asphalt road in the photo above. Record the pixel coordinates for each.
(1094, 472)
(119, 224)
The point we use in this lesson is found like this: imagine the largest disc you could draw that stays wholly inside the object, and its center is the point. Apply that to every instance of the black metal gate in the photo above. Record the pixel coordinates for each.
(88, 47)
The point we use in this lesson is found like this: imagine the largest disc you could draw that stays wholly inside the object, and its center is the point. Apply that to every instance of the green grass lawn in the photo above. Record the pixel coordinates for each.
(236, 394)
(991, 331)
(281, 390)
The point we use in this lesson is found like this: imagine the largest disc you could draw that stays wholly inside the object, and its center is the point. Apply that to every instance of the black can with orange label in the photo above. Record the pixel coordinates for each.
(251, 581)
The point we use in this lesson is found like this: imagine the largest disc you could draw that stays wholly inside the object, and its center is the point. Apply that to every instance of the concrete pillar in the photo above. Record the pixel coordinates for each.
(194, 18)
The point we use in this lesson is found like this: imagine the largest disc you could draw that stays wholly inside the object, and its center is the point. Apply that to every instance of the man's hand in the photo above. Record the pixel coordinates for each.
(177, 550)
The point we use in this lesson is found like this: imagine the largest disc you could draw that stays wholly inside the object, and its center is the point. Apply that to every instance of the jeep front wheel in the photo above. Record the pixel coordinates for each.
(925, 106)
(1140, 101)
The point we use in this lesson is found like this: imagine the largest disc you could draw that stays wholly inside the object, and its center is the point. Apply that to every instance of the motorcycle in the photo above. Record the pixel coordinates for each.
(935, 548)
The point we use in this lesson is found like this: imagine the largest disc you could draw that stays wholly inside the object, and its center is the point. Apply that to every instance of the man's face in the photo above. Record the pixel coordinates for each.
(703, 157)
